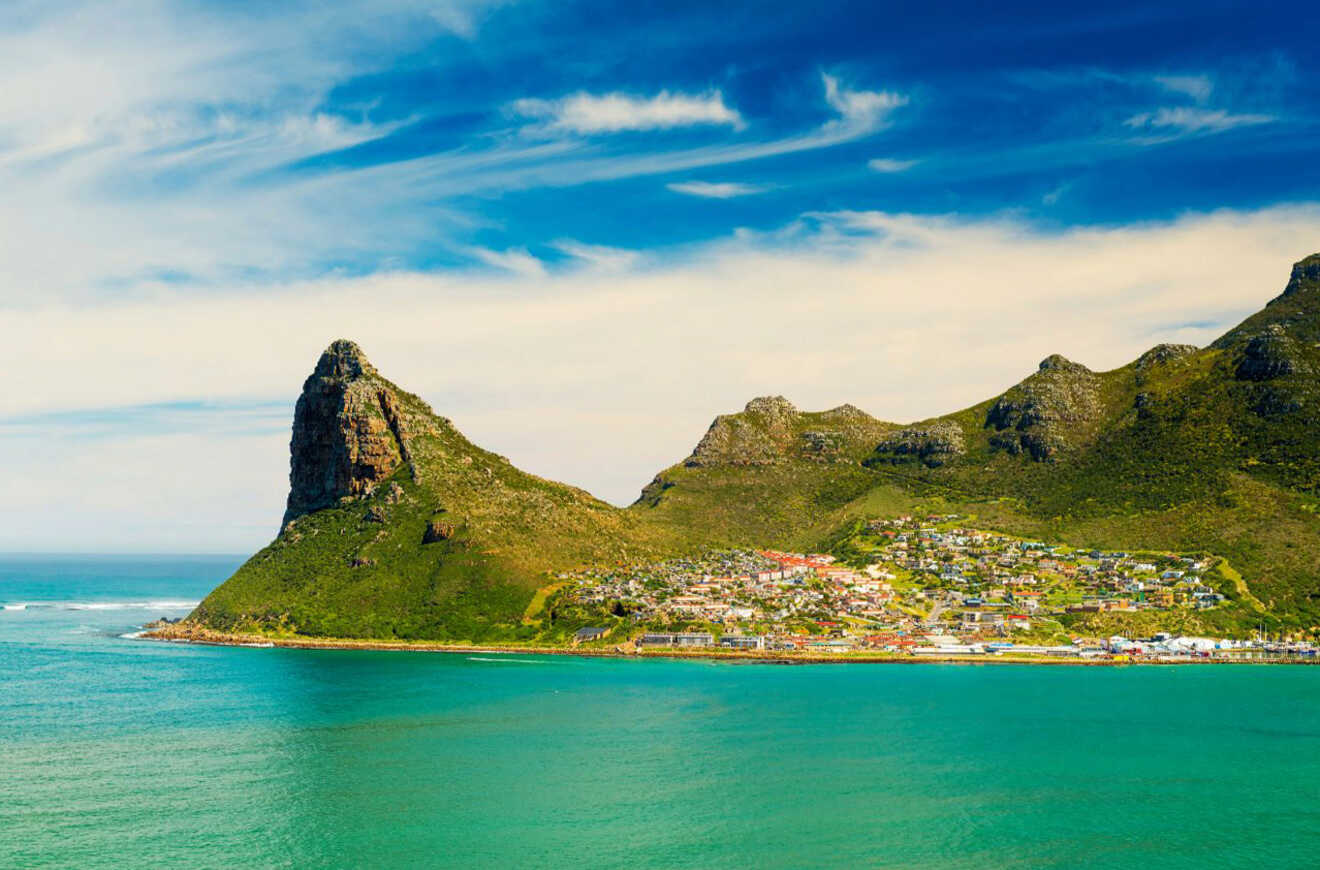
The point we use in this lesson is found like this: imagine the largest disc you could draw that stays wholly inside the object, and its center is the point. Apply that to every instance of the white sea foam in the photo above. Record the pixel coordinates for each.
(519, 661)
(103, 605)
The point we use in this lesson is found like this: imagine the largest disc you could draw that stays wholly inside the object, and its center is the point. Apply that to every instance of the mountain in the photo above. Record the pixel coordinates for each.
(1211, 449)
(398, 526)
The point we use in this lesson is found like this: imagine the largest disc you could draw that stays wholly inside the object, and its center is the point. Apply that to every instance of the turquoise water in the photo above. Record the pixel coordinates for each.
(118, 752)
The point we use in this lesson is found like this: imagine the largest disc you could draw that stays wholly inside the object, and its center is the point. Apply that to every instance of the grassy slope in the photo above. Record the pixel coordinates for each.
(343, 572)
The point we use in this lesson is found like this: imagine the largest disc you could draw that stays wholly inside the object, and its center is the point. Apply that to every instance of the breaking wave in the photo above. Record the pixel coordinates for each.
(103, 605)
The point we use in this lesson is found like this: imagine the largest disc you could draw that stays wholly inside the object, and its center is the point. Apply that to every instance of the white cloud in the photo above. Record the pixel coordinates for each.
(171, 168)
(715, 190)
(516, 260)
(1198, 87)
(863, 110)
(618, 112)
(857, 117)
(590, 377)
(889, 164)
(1185, 119)
(131, 132)
(600, 257)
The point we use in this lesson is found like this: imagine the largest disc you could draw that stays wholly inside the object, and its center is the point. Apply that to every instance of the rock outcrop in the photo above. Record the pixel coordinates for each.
(436, 531)
(1269, 355)
(757, 436)
(1163, 354)
(770, 430)
(932, 445)
(1305, 276)
(1042, 414)
(348, 432)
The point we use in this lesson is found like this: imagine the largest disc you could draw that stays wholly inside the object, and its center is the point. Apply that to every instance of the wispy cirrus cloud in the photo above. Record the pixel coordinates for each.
(600, 257)
(715, 189)
(890, 164)
(1198, 87)
(149, 136)
(1188, 119)
(519, 261)
(589, 114)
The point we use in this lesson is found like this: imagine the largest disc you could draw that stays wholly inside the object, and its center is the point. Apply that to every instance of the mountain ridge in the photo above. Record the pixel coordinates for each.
(1211, 447)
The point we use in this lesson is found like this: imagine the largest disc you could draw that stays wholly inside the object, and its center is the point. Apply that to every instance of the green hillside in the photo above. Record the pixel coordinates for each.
(398, 526)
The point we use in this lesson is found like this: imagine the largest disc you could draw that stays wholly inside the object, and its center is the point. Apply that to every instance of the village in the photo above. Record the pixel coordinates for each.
(916, 587)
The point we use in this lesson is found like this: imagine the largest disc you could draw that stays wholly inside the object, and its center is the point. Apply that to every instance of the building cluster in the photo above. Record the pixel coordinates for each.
(926, 586)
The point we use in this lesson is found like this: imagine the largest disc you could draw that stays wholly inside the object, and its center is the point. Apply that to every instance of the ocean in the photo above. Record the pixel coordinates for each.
(123, 752)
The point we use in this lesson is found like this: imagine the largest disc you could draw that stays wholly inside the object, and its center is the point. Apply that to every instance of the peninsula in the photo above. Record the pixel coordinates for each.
(1171, 502)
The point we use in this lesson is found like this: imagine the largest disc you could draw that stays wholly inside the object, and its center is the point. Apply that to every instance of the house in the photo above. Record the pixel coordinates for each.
(583, 635)
(679, 639)
(972, 620)
(742, 641)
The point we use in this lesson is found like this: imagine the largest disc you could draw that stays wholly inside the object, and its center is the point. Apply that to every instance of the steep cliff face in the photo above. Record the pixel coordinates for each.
(349, 432)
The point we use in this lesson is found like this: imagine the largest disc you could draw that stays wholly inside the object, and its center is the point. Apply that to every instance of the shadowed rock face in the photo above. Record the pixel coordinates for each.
(1269, 355)
(933, 445)
(347, 432)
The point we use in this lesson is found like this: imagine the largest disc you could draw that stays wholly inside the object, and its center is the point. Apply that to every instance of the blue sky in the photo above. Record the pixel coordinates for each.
(553, 219)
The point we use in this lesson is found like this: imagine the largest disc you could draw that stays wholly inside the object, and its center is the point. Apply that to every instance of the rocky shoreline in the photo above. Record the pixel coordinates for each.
(182, 632)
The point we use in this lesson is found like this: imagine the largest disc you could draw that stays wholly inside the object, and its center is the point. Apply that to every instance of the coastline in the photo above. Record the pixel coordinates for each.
(208, 637)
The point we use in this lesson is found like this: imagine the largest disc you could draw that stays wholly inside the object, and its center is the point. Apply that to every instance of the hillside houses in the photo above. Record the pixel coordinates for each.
(914, 576)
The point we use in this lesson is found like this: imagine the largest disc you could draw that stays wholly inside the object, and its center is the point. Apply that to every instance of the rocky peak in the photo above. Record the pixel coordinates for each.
(1058, 362)
(1044, 414)
(1305, 276)
(846, 412)
(348, 432)
(343, 359)
(757, 436)
(1164, 353)
(771, 406)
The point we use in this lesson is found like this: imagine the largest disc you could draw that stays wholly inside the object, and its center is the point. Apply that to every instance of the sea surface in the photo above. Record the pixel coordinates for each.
(120, 752)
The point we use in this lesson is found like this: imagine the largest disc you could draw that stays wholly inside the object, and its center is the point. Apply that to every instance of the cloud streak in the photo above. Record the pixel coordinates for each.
(714, 190)
(589, 114)
(1187, 119)
(889, 164)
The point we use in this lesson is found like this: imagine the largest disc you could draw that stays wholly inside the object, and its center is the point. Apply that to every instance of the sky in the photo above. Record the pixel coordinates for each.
(582, 230)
